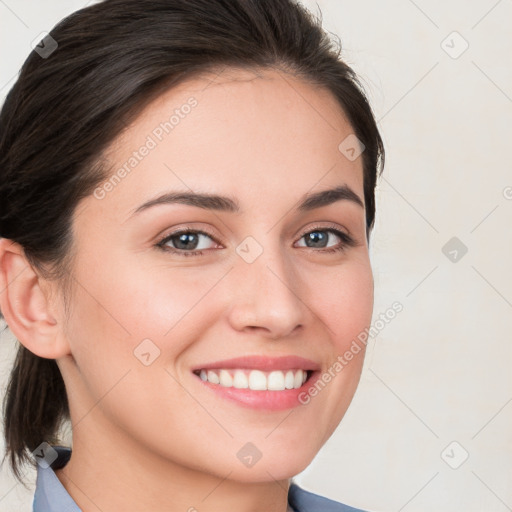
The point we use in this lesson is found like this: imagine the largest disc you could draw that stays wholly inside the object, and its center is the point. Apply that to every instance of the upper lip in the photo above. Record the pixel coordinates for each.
(262, 363)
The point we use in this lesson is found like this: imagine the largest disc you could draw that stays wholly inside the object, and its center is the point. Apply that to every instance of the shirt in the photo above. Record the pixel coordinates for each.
(51, 496)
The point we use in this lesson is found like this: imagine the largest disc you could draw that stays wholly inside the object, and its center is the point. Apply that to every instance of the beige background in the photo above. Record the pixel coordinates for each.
(437, 385)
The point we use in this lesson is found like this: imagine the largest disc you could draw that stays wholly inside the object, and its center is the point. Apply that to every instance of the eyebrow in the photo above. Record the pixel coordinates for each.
(216, 202)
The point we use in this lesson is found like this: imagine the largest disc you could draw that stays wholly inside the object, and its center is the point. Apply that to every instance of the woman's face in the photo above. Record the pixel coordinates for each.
(146, 316)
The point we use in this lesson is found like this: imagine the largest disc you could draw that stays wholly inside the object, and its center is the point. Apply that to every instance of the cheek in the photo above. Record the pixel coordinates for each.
(117, 335)
(130, 301)
(113, 310)
(344, 301)
(136, 314)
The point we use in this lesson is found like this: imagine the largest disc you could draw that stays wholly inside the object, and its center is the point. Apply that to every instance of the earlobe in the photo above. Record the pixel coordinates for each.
(25, 304)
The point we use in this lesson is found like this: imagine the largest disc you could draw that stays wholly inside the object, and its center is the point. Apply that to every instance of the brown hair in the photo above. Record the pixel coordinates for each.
(102, 65)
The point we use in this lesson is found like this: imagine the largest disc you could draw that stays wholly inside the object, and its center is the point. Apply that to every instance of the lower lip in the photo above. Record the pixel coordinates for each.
(263, 400)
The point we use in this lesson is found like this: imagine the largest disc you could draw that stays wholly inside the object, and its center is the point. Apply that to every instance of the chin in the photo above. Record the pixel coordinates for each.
(273, 468)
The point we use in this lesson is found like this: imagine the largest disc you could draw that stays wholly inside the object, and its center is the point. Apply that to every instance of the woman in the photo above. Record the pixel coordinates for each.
(187, 196)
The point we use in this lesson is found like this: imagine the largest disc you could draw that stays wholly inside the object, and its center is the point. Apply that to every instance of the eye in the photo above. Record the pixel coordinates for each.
(187, 242)
(184, 240)
(319, 237)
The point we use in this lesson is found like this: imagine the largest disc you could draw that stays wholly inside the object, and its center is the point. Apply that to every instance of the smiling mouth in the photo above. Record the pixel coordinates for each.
(256, 380)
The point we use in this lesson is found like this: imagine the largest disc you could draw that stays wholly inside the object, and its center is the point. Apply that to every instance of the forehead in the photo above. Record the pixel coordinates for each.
(259, 135)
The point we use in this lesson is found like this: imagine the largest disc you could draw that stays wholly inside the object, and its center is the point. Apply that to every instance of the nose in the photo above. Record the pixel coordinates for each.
(269, 297)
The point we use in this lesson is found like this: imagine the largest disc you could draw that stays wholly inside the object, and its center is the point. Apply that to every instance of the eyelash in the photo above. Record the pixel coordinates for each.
(346, 241)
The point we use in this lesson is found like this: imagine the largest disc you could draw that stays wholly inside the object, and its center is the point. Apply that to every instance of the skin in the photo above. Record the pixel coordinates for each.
(152, 437)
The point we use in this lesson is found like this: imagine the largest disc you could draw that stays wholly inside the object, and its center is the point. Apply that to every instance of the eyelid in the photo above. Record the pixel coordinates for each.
(189, 228)
(346, 238)
(162, 240)
(206, 231)
(326, 225)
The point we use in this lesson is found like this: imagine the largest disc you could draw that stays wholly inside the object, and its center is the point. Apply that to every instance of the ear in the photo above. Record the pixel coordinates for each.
(25, 304)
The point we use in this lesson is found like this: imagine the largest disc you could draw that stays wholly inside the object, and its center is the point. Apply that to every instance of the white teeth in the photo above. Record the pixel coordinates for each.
(289, 380)
(256, 380)
(240, 380)
(275, 381)
(297, 381)
(225, 379)
(213, 377)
